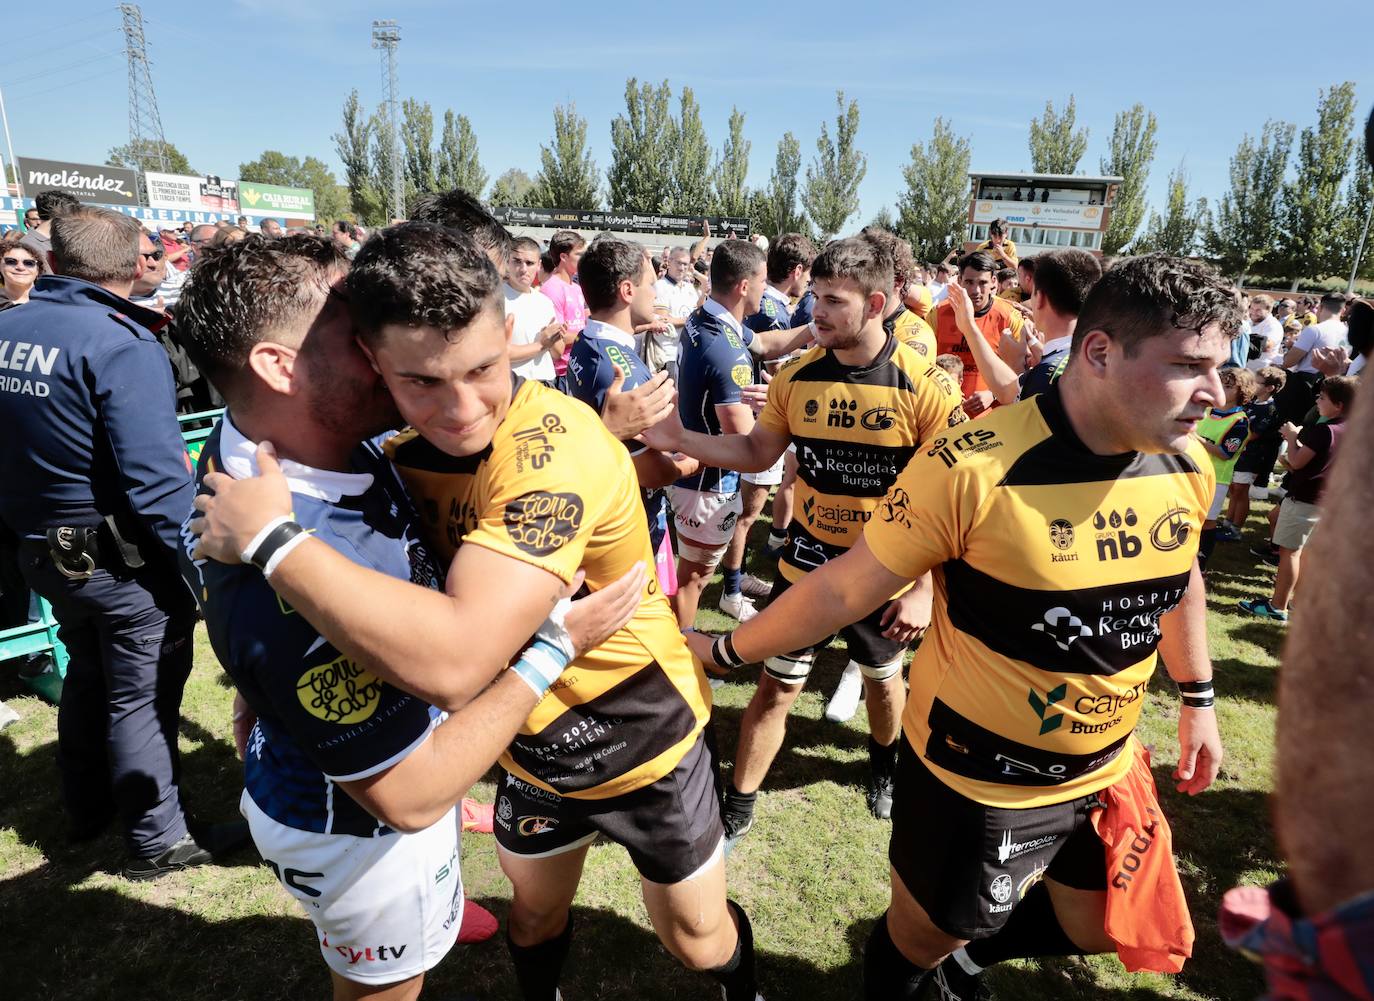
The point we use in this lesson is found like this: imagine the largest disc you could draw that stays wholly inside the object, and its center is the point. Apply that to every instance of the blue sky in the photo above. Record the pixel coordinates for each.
(240, 76)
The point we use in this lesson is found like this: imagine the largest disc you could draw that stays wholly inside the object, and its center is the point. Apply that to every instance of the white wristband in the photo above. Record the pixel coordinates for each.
(247, 555)
(554, 631)
(539, 666)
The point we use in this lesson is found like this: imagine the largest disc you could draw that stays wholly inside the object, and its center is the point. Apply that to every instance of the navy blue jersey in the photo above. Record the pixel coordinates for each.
(1045, 374)
(88, 407)
(774, 313)
(322, 718)
(592, 364)
(801, 312)
(714, 363)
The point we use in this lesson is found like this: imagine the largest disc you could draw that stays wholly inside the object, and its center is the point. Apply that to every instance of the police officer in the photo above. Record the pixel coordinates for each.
(95, 483)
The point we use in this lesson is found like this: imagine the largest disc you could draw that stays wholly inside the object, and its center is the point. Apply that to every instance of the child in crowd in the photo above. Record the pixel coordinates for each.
(1223, 433)
(1311, 450)
(952, 365)
(1261, 449)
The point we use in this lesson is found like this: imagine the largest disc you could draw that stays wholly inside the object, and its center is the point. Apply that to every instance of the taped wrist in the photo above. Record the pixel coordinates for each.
(540, 665)
(1197, 694)
(273, 541)
(723, 652)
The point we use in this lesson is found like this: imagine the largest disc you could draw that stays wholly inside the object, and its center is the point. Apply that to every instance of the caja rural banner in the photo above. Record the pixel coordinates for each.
(88, 182)
(271, 200)
(189, 193)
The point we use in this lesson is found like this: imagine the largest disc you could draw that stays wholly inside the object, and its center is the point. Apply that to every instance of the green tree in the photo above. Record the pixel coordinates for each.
(884, 219)
(773, 210)
(353, 144)
(1129, 155)
(275, 167)
(690, 193)
(1055, 145)
(384, 164)
(1242, 230)
(641, 169)
(933, 210)
(567, 177)
(144, 156)
(459, 165)
(417, 141)
(1176, 230)
(1309, 228)
(732, 197)
(831, 195)
(512, 188)
(1354, 219)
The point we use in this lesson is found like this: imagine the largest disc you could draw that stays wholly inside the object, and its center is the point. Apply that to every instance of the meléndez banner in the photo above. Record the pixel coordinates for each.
(87, 182)
(271, 200)
(189, 193)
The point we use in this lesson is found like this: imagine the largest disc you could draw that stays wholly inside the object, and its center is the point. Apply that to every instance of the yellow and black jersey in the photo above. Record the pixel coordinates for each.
(912, 331)
(556, 490)
(855, 429)
(1052, 568)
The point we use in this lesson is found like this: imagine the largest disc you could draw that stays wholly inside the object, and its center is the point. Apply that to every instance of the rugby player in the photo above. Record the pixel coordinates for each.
(518, 485)
(909, 327)
(714, 363)
(1062, 533)
(857, 407)
(350, 781)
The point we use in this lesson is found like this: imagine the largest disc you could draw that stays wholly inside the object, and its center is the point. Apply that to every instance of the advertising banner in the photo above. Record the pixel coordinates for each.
(190, 193)
(270, 200)
(1073, 215)
(625, 222)
(87, 182)
(12, 208)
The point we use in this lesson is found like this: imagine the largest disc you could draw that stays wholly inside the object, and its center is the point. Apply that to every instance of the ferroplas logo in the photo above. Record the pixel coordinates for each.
(85, 181)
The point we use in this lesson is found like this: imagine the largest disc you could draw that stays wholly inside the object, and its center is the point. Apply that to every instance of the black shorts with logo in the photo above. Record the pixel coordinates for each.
(967, 864)
(864, 639)
(671, 828)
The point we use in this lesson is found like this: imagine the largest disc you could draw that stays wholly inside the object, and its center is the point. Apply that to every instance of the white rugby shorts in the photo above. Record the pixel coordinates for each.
(386, 908)
(704, 516)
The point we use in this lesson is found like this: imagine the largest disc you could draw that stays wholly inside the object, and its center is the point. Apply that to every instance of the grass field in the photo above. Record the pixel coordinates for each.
(813, 874)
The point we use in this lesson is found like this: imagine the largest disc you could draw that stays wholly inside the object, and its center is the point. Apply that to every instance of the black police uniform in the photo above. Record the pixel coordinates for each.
(95, 483)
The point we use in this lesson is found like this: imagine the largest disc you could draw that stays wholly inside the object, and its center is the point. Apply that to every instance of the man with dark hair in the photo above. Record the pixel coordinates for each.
(322, 786)
(49, 205)
(619, 287)
(94, 481)
(993, 853)
(459, 210)
(910, 329)
(271, 229)
(569, 305)
(516, 487)
(863, 402)
(993, 317)
(998, 246)
(1299, 394)
(1063, 279)
(788, 266)
(714, 364)
(32, 220)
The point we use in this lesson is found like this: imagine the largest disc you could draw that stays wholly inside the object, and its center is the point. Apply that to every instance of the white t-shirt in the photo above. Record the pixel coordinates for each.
(1327, 334)
(680, 298)
(1268, 334)
(533, 312)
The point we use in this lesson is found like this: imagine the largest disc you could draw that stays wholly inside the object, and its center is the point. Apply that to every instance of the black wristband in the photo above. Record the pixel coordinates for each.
(276, 538)
(1195, 687)
(724, 654)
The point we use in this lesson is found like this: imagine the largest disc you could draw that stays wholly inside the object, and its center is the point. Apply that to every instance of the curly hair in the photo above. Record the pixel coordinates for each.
(418, 274)
(15, 241)
(903, 264)
(1151, 295)
(241, 291)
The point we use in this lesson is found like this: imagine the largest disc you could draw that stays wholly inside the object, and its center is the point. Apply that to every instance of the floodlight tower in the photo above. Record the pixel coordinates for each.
(147, 144)
(386, 35)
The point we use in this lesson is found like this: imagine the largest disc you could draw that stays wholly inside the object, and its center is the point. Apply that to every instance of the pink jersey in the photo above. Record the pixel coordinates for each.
(570, 308)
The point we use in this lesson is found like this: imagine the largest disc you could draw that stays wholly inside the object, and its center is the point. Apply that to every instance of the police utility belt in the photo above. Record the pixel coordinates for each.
(77, 552)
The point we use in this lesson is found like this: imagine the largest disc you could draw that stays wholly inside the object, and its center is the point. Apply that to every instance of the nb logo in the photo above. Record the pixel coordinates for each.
(1113, 541)
(842, 414)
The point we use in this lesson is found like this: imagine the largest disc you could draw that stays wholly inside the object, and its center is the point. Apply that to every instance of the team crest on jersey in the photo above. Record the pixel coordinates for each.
(1171, 529)
(541, 523)
(339, 692)
(742, 375)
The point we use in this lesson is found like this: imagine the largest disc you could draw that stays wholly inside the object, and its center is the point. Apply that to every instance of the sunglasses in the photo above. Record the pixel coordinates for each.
(14, 262)
(155, 255)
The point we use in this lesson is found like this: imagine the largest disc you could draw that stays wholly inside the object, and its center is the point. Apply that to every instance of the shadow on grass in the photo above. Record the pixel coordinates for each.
(211, 780)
